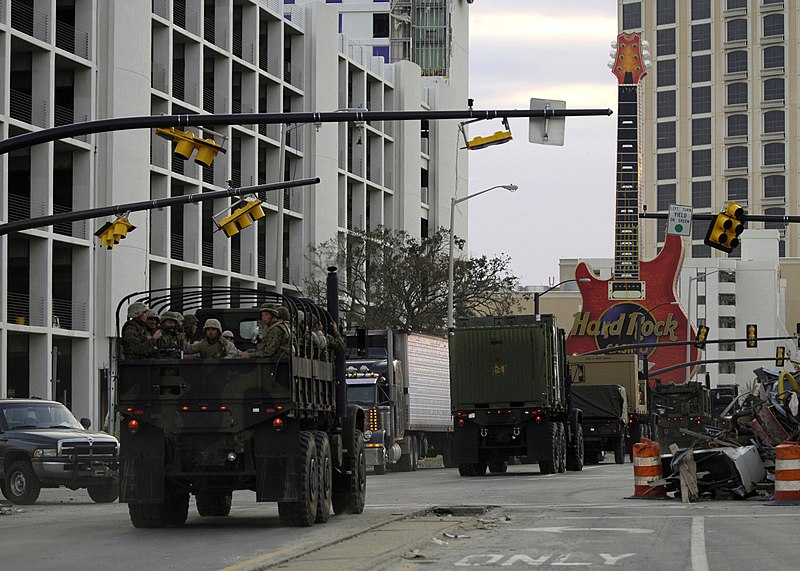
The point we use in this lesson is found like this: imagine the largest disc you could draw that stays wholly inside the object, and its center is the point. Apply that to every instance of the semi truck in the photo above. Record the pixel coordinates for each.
(619, 369)
(605, 420)
(681, 406)
(402, 381)
(510, 395)
(280, 427)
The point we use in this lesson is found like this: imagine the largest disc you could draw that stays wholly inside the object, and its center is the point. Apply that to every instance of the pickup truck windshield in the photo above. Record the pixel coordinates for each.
(38, 416)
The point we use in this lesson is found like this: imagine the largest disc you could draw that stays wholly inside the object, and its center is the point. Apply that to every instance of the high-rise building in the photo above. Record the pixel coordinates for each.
(68, 61)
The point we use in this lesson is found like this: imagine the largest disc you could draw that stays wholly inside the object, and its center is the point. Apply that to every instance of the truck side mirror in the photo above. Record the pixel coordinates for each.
(86, 423)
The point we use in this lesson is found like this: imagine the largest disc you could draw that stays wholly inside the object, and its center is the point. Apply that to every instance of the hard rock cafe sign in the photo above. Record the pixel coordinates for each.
(625, 324)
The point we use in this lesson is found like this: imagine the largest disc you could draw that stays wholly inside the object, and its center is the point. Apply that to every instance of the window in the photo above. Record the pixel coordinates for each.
(701, 189)
(728, 368)
(701, 300)
(727, 299)
(773, 57)
(728, 346)
(701, 131)
(727, 277)
(774, 122)
(380, 25)
(701, 37)
(736, 62)
(736, 4)
(773, 89)
(665, 195)
(701, 166)
(773, 25)
(665, 72)
(665, 104)
(727, 322)
(701, 100)
(775, 186)
(699, 228)
(701, 9)
(665, 135)
(737, 189)
(661, 232)
(774, 154)
(631, 16)
(737, 30)
(701, 68)
(665, 12)
(701, 250)
(737, 126)
(665, 42)
(775, 225)
(665, 165)
(737, 94)
(737, 157)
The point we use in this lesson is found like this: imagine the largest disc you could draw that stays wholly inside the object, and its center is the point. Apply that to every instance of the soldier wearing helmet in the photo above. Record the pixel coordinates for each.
(214, 345)
(276, 334)
(137, 341)
(170, 341)
(152, 320)
(190, 327)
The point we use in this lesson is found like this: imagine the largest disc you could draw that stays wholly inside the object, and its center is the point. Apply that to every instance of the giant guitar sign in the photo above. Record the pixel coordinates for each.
(639, 303)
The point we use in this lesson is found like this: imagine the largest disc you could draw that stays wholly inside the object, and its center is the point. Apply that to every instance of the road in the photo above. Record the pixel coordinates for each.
(520, 519)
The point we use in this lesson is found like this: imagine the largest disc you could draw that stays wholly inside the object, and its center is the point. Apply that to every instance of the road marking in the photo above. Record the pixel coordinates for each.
(562, 529)
(551, 559)
(699, 557)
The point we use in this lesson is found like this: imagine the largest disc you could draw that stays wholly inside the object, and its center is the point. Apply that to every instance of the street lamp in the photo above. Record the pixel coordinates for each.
(453, 202)
(689, 314)
(538, 294)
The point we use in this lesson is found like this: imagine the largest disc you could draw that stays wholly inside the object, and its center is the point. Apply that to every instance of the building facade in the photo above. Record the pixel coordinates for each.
(68, 61)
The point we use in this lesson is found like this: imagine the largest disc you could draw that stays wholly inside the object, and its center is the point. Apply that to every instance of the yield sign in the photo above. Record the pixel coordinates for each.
(680, 220)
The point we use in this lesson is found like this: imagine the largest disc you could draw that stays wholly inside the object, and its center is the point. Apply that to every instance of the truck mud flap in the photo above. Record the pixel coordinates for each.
(539, 443)
(466, 442)
(141, 469)
(276, 464)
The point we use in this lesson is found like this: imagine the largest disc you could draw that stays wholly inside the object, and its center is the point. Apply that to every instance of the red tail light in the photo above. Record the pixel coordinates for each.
(278, 424)
(461, 422)
(133, 425)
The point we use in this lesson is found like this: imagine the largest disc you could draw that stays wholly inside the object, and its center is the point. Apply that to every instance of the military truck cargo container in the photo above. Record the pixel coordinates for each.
(408, 403)
(681, 406)
(605, 419)
(279, 427)
(510, 394)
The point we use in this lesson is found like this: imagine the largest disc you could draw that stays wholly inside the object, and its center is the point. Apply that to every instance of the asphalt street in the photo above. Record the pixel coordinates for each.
(431, 518)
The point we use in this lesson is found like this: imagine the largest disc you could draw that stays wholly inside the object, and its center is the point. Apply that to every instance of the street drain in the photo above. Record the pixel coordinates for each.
(458, 511)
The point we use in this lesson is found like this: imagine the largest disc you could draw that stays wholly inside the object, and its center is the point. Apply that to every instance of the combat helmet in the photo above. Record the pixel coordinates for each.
(283, 312)
(136, 309)
(212, 324)
(167, 315)
(269, 308)
(188, 320)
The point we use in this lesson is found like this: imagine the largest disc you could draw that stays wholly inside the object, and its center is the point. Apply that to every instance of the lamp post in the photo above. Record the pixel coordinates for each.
(453, 202)
(689, 314)
(538, 294)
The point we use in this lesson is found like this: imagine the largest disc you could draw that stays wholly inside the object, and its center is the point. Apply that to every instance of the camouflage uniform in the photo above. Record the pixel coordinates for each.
(276, 338)
(169, 342)
(216, 348)
(137, 341)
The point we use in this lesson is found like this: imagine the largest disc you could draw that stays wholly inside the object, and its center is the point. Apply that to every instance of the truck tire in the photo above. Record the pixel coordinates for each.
(562, 448)
(447, 455)
(550, 465)
(104, 493)
(173, 511)
(303, 512)
(213, 505)
(500, 467)
(408, 462)
(575, 451)
(325, 466)
(350, 486)
(414, 445)
(22, 487)
(619, 450)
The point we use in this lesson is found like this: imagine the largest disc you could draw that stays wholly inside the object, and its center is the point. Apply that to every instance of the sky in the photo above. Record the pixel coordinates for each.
(564, 207)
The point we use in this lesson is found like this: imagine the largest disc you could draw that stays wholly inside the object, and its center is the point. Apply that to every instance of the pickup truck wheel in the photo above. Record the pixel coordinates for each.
(104, 493)
(213, 505)
(575, 452)
(325, 467)
(350, 489)
(303, 512)
(619, 450)
(550, 465)
(21, 486)
(500, 467)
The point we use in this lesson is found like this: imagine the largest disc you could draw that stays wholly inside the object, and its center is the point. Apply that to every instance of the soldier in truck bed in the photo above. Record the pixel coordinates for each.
(276, 334)
(171, 340)
(214, 346)
(137, 342)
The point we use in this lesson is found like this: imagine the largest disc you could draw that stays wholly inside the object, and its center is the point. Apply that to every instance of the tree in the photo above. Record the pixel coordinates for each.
(393, 280)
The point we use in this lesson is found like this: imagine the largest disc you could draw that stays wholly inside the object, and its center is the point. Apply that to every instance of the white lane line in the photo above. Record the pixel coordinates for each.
(699, 557)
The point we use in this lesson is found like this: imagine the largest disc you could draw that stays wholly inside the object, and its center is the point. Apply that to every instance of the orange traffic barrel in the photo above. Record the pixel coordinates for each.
(647, 469)
(787, 472)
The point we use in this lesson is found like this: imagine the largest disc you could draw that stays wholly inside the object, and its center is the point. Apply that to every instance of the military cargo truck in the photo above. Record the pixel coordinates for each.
(681, 406)
(605, 419)
(510, 395)
(279, 427)
(402, 380)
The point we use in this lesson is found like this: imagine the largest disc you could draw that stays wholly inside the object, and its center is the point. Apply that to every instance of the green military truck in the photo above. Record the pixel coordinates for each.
(605, 419)
(681, 406)
(510, 395)
(208, 427)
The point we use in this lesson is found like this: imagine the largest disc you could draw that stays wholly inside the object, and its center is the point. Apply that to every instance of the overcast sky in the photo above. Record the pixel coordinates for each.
(564, 206)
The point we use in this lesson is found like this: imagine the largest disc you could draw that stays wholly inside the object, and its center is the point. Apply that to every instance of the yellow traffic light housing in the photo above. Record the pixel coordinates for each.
(780, 356)
(723, 233)
(187, 143)
(111, 233)
(702, 335)
(496, 138)
(752, 335)
(242, 217)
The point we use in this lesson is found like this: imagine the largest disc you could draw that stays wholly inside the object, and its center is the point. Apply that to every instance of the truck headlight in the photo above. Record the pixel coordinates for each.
(44, 453)
(367, 435)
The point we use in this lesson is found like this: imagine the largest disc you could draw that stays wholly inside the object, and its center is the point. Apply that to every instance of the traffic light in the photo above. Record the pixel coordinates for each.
(242, 217)
(780, 355)
(752, 335)
(702, 335)
(112, 232)
(186, 143)
(723, 233)
(496, 138)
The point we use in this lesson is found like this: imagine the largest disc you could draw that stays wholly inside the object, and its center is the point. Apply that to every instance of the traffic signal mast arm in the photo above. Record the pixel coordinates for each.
(121, 209)
(712, 216)
(626, 348)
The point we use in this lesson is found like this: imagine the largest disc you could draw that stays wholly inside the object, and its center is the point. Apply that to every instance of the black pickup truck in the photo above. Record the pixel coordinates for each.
(43, 445)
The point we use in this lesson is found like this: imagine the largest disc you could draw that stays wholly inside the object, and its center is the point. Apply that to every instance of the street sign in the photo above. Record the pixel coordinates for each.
(680, 220)
(547, 130)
